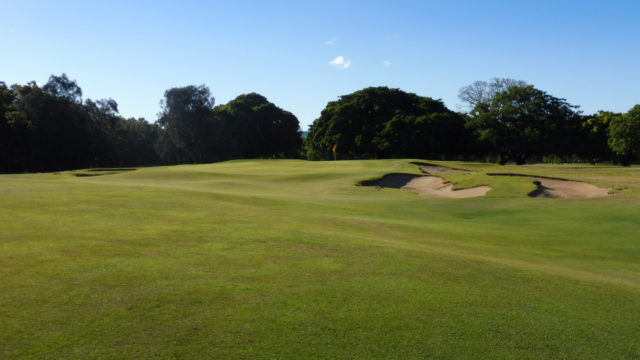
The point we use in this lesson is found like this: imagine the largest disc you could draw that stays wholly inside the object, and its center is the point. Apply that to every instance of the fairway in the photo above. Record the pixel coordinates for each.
(290, 259)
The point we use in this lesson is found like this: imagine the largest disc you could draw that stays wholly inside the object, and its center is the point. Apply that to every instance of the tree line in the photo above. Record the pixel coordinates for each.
(51, 128)
(506, 121)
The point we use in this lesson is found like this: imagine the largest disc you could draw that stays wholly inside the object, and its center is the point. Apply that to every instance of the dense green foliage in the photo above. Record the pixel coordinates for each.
(484, 92)
(256, 128)
(286, 259)
(188, 125)
(51, 128)
(624, 135)
(595, 142)
(522, 121)
(381, 123)
(247, 127)
(508, 121)
(519, 123)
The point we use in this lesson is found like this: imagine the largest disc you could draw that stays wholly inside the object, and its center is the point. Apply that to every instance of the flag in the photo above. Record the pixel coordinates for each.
(334, 147)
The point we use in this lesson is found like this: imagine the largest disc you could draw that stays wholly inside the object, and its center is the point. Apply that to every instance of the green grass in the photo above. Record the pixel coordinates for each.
(289, 259)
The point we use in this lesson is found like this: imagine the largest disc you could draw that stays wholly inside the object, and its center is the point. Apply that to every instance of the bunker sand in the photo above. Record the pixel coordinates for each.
(427, 185)
(435, 186)
(566, 189)
(554, 188)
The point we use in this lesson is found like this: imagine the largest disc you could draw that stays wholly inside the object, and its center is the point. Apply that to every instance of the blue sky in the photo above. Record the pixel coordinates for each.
(302, 54)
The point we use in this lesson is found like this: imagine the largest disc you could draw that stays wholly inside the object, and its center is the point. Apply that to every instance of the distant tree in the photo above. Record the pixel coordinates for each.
(436, 134)
(103, 122)
(380, 122)
(50, 128)
(484, 92)
(61, 135)
(14, 132)
(187, 123)
(62, 88)
(117, 141)
(522, 121)
(137, 139)
(594, 144)
(624, 135)
(255, 127)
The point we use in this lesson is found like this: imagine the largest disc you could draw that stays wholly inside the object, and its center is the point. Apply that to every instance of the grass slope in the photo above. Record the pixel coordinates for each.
(288, 259)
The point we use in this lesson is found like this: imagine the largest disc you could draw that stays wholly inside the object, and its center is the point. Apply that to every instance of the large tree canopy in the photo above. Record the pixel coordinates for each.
(247, 127)
(14, 130)
(61, 132)
(188, 124)
(62, 88)
(484, 92)
(379, 122)
(50, 128)
(624, 135)
(255, 127)
(522, 121)
(593, 143)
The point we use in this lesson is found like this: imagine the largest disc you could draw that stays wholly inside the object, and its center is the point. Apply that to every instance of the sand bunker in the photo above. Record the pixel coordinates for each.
(562, 189)
(436, 169)
(435, 186)
(565, 189)
(427, 185)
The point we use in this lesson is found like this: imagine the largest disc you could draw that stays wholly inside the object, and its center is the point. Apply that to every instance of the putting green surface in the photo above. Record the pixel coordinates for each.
(279, 259)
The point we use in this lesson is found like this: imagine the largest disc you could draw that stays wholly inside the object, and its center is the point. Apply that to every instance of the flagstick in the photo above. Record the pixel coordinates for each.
(334, 151)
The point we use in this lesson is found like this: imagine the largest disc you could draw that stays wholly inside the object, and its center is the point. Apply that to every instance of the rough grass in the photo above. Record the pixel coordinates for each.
(288, 259)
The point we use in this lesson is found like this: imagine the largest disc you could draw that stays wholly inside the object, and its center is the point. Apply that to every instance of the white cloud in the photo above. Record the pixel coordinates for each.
(387, 63)
(340, 62)
(330, 42)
